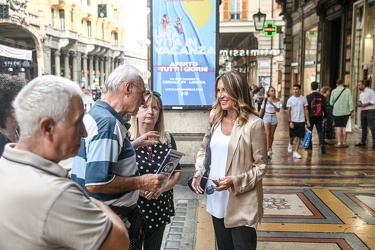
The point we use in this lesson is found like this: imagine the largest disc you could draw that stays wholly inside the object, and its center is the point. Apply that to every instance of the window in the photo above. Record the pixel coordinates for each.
(88, 2)
(235, 9)
(82, 27)
(88, 28)
(71, 19)
(116, 38)
(103, 31)
(115, 15)
(62, 19)
(53, 17)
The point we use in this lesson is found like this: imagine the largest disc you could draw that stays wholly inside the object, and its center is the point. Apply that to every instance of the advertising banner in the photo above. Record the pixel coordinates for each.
(184, 51)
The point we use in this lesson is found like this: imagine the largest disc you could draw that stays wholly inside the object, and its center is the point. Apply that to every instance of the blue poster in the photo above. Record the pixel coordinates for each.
(184, 51)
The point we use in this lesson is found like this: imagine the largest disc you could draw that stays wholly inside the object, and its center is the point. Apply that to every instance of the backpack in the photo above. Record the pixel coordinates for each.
(316, 106)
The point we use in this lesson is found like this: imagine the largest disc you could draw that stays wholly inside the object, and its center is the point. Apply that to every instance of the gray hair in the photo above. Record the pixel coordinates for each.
(45, 96)
(123, 73)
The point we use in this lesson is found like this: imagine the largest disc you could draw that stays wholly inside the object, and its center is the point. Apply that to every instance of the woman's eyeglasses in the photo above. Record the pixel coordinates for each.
(157, 94)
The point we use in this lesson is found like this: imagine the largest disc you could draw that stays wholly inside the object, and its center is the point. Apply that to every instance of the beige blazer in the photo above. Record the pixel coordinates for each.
(247, 163)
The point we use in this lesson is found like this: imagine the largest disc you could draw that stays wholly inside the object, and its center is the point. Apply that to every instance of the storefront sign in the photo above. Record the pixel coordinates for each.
(252, 52)
(270, 29)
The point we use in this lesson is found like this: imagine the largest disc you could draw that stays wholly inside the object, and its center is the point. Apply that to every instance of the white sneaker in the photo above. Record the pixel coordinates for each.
(297, 155)
(269, 152)
(290, 148)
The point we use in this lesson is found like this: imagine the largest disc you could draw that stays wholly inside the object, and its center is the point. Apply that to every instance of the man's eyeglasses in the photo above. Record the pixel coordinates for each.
(142, 92)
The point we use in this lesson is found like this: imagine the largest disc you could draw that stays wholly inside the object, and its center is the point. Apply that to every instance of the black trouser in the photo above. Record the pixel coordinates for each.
(368, 121)
(318, 122)
(237, 238)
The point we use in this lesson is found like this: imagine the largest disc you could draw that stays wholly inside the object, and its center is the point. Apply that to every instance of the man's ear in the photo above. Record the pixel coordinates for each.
(127, 88)
(46, 126)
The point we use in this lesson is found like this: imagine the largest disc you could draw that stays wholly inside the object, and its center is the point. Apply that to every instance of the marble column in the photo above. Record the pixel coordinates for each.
(91, 68)
(47, 60)
(96, 59)
(75, 67)
(101, 81)
(112, 64)
(84, 69)
(106, 66)
(66, 66)
(57, 63)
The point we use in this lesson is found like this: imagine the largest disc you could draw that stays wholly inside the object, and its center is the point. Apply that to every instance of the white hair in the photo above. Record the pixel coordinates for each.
(45, 96)
(123, 73)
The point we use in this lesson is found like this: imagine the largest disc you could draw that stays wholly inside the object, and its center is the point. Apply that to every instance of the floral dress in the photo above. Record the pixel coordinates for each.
(328, 125)
(157, 212)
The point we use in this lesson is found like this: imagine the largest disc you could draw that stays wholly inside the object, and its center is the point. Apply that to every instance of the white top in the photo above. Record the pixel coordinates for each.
(367, 96)
(297, 105)
(269, 108)
(216, 203)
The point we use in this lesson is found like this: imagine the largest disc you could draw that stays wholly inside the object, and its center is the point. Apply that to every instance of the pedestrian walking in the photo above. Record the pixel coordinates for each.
(41, 208)
(259, 95)
(106, 163)
(234, 192)
(342, 103)
(317, 111)
(270, 106)
(158, 207)
(298, 115)
(367, 105)
(328, 123)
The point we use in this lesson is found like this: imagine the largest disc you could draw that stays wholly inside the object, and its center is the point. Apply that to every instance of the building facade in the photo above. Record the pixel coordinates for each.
(260, 56)
(327, 40)
(82, 40)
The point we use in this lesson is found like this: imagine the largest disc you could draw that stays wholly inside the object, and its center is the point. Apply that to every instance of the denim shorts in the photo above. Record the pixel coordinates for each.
(270, 119)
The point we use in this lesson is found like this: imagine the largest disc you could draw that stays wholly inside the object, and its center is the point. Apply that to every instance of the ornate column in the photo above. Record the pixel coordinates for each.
(66, 66)
(107, 70)
(84, 66)
(96, 59)
(91, 68)
(74, 67)
(57, 63)
(101, 80)
(47, 60)
(112, 61)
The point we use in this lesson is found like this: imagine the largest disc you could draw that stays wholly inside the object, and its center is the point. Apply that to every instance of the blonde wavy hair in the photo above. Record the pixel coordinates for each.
(238, 91)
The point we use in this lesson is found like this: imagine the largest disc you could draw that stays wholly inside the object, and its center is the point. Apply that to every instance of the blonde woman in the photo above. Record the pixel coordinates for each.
(157, 207)
(234, 192)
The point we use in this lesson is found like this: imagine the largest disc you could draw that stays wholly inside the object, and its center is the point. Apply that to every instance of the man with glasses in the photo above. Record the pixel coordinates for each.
(106, 163)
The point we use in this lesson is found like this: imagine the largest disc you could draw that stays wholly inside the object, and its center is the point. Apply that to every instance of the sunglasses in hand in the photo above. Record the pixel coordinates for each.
(210, 189)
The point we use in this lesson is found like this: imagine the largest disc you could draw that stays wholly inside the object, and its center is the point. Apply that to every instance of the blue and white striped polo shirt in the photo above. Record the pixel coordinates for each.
(106, 152)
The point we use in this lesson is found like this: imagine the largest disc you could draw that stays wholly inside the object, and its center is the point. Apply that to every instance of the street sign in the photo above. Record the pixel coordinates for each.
(269, 29)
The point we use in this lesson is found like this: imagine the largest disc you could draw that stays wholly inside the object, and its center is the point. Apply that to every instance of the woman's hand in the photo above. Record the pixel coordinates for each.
(147, 139)
(153, 195)
(223, 183)
(196, 182)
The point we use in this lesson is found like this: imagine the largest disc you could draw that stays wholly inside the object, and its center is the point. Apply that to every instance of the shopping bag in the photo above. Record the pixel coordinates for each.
(305, 140)
(349, 125)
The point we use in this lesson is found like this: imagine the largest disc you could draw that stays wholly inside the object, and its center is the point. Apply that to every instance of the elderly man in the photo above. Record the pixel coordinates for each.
(41, 208)
(106, 162)
(367, 105)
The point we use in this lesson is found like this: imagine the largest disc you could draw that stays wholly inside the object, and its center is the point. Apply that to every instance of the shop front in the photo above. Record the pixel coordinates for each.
(363, 49)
